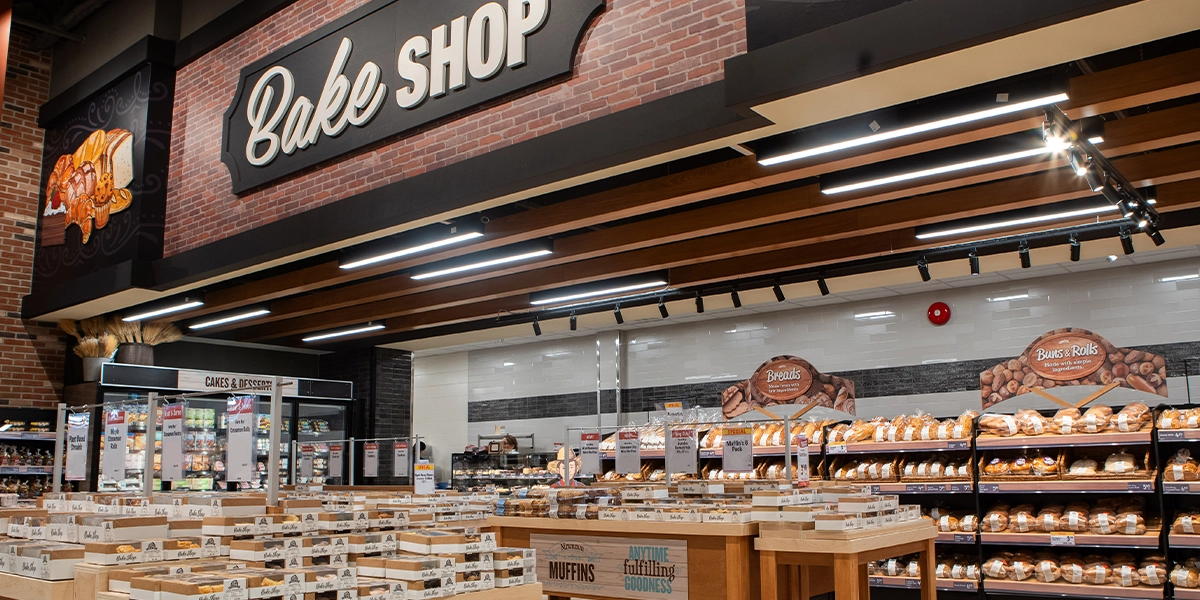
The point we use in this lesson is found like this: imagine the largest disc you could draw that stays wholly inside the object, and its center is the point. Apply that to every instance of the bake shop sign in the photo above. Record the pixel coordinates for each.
(387, 68)
(1073, 356)
(788, 380)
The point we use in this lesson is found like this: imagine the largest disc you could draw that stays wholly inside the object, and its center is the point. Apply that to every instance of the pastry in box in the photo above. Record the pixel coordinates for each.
(37, 528)
(213, 546)
(112, 553)
(865, 504)
(261, 550)
(837, 521)
(324, 545)
(419, 567)
(111, 528)
(300, 505)
(473, 581)
(231, 506)
(293, 524)
(63, 527)
(377, 589)
(325, 579)
(371, 566)
(372, 543)
(432, 542)
(505, 558)
(119, 579)
(726, 514)
(266, 583)
(240, 526)
(471, 561)
(431, 588)
(200, 587)
(53, 561)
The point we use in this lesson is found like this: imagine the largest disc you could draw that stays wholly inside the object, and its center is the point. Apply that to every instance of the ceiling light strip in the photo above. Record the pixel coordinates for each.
(482, 265)
(163, 311)
(915, 129)
(230, 319)
(1180, 278)
(599, 293)
(951, 168)
(1017, 222)
(413, 250)
(344, 332)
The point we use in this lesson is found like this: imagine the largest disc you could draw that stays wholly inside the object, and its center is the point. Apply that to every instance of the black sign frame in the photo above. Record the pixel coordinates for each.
(378, 32)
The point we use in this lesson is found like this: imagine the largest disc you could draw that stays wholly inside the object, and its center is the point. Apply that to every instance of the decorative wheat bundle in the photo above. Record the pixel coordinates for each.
(160, 332)
(96, 347)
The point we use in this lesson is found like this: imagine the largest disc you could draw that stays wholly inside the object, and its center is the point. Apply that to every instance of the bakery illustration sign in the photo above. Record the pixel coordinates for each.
(87, 186)
(1069, 357)
(788, 380)
(387, 68)
(609, 567)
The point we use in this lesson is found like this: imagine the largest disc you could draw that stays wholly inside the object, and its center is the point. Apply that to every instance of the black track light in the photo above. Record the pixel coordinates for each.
(1076, 250)
(737, 300)
(662, 308)
(537, 327)
(1114, 196)
(923, 267)
(1126, 242)
(1095, 181)
(574, 322)
(617, 314)
(779, 297)
(1156, 236)
(1126, 211)
(1023, 251)
(824, 287)
(974, 260)
(1079, 163)
(699, 303)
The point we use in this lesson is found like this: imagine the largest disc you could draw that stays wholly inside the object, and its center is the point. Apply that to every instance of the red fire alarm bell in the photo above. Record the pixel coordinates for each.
(939, 313)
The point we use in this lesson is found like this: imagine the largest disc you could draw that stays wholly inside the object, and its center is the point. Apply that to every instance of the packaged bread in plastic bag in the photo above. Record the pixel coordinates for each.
(1120, 463)
(1096, 419)
(1131, 418)
(1182, 467)
(1032, 422)
(1066, 421)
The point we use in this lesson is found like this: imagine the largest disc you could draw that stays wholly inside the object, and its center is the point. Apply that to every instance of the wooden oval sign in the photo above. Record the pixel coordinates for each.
(782, 380)
(1067, 356)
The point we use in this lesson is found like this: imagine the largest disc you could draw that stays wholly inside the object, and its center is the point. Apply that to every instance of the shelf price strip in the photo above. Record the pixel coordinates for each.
(737, 449)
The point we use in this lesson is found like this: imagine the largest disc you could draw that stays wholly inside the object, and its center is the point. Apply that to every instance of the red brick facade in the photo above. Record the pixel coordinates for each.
(31, 357)
(636, 52)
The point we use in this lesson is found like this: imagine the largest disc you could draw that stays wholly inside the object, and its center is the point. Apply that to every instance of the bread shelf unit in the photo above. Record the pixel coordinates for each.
(1183, 540)
(914, 583)
(913, 446)
(987, 441)
(1186, 594)
(1148, 540)
(713, 452)
(1069, 590)
(1106, 486)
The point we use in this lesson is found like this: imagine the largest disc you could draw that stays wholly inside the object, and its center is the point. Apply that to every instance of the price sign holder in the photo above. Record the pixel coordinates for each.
(681, 451)
(737, 449)
(589, 452)
(629, 452)
(674, 411)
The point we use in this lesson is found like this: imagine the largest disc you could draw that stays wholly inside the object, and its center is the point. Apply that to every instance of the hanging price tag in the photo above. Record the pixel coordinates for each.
(335, 460)
(737, 446)
(77, 446)
(400, 459)
(629, 452)
(423, 478)
(305, 464)
(172, 442)
(112, 464)
(239, 445)
(371, 459)
(801, 467)
(589, 453)
(674, 411)
(681, 451)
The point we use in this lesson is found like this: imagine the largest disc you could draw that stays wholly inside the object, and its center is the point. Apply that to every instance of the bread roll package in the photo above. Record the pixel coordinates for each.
(1186, 523)
(1126, 576)
(1083, 466)
(1096, 419)
(1071, 569)
(995, 521)
(1021, 568)
(1066, 421)
(1170, 418)
(998, 466)
(1047, 571)
(1001, 425)
(1032, 422)
(948, 523)
(1131, 418)
(1022, 520)
(1075, 520)
(968, 523)
(1131, 523)
(1097, 573)
(1153, 573)
(1044, 466)
(1181, 467)
(1102, 522)
(1120, 463)
(996, 567)
(1185, 577)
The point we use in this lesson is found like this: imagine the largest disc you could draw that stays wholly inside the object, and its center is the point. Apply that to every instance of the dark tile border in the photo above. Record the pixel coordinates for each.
(911, 380)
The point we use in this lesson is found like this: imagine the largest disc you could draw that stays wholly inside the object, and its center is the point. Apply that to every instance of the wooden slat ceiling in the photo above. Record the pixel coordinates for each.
(735, 219)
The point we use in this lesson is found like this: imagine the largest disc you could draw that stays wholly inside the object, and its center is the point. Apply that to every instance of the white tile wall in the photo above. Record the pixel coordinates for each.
(440, 406)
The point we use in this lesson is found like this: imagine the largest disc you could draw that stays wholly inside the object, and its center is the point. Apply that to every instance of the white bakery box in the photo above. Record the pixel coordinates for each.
(51, 561)
(115, 528)
(514, 558)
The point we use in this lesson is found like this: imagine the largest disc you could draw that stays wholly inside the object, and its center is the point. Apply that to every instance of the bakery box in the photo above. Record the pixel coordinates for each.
(727, 515)
(865, 504)
(372, 543)
(119, 579)
(109, 528)
(237, 526)
(268, 549)
(418, 567)
(432, 542)
(54, 562)
(199, 587)
(431, 588)
(113, 553)
(473, 581)
(513, 558)
(186, 528)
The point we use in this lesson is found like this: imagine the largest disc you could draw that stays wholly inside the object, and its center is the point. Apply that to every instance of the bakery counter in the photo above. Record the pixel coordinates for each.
(1050, 440)
(1069, 486)
(1150, 539)
(1030, 588)
(914, 583)
(705, 561)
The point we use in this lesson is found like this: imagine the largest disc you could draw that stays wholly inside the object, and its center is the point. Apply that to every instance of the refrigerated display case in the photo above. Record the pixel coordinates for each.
(319, 425)
(315, 411)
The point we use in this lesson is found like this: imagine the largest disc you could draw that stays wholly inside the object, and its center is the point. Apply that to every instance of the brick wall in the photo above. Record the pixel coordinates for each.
(382, 397)
(637, 51)
(31, 356)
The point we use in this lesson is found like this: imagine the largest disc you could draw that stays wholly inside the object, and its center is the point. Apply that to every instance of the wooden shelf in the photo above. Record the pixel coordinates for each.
(987, 441)
(1186, 594)
(1072, 486)
(1183, 540)
(914, 583)
(1149, 540)
(715, 452)
(646, 527)
(919, 488)
(1070, 590)
(1179, 435)
(914, 446)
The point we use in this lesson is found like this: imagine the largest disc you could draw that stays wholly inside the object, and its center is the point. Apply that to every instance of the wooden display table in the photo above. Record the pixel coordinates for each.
(532, 591)
(816, 553)
(721, 560)
(16, 587)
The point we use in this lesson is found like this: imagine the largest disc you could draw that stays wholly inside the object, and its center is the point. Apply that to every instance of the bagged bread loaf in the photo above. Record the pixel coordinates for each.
(1032, 422)
(1048, 518)
(1021, 465)
(997, 567)
(1126, 575)
(1075, 519)
(1190, 419)
(1153, 571)
(1097, 573)
(1001, 425)
(912, 568)
(894, 567)
(1083, 466)
(886, 433)
(964, 424)
(1120, 463)
(1182, 467)
(1131, 418)
(948, 523)
(1021, 567)
(860, 431)
(1044, 466)
(1066, 421)
(1022, 520)
(1047, 570)
(968, 523)
(1102, 522)
(1131, 523)
(1096, 419)
(1185, 577)
(1071, 568)
(1186, 523)
(1171, 418)
(998, 466)
(996, 520)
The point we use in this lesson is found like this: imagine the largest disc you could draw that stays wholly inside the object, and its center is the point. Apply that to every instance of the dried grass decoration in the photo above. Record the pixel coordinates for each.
(96, 347)
(151, 334)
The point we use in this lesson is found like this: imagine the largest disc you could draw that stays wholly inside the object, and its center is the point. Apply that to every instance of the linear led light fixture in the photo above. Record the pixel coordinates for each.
(372, 326)
(483, 260)
(411, 243)
(1094, 210)
(173, 306)
(871, 316)
(915, 129)
(600, 290)
(1180, 278)
(1008, 298)
(231, 318)
(950, 168)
